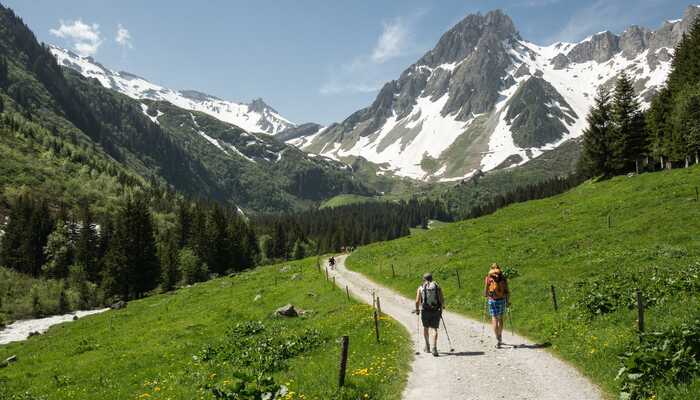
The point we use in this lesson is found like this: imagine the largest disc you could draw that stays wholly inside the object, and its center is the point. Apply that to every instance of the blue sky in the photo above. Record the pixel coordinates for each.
(313, 60)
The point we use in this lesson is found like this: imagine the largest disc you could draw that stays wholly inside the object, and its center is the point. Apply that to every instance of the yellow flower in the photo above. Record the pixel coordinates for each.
(157, 389)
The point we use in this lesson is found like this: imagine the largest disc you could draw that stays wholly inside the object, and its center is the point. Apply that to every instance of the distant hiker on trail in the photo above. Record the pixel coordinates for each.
(429, 304)
(498, 299)
(331, 262)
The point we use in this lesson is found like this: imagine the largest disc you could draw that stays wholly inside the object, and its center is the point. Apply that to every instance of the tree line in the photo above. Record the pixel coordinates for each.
(328, 230)
(621, 138)
(128, 254)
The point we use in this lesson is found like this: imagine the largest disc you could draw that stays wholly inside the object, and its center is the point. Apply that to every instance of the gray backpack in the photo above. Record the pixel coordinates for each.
(431, 297)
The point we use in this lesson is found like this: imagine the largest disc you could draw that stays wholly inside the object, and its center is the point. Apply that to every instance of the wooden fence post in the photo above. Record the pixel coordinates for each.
(609, 221)
(318, 264)
(697, 194)
(374, 300)
(326, 273)
(347, 291)
(554, 298)
(393, 272)
(334, 282)
(344, 344)
(640, 311)
(379, 306)
(459, 282)
(376, 325)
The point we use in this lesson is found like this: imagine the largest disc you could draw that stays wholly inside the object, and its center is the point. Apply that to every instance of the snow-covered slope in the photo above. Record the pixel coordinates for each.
(253, 117)
(485, 98)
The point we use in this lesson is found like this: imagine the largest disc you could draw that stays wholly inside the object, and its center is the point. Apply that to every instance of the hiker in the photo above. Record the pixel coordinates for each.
(429, 304)
(498, 299)
(331, 262)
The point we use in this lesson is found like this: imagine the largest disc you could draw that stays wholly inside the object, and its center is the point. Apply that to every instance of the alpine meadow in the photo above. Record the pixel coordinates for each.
(503, 220)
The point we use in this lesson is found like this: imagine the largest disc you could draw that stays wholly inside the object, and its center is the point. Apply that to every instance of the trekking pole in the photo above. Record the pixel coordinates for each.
(483, 321)
(452, 349)
(510, 321)
(417, 332)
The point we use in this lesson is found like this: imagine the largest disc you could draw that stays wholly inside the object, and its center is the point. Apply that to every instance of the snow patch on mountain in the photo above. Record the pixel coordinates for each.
(255, 116)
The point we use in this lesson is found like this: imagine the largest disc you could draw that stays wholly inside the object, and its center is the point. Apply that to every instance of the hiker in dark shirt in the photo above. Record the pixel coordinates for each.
(331, 262)
(429, 303)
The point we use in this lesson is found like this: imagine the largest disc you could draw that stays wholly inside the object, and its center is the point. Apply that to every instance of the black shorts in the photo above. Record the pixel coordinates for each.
(431, 318)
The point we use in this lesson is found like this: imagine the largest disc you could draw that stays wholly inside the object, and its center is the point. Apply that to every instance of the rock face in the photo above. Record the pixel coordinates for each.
(600, 48)
(538, 114)
(287, 311)
(485, 98)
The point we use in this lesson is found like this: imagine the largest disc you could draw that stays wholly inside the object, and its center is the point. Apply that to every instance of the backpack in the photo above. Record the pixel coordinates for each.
(496, 288)
(431, 297)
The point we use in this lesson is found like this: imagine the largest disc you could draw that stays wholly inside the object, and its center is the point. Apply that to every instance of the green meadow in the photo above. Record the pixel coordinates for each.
(217, 340)
(596, 244)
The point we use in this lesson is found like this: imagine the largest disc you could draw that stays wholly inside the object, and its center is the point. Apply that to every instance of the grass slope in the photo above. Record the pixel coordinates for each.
(561, 241)
(346, 199)
(147, 350)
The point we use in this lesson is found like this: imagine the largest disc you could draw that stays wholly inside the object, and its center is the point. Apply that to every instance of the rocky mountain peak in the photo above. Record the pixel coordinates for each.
(259, 105)
(460, 41)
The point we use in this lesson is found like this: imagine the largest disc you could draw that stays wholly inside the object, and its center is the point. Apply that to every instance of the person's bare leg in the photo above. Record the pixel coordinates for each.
(500, 328)
(426, 335)
(494, 324)
(435, 337)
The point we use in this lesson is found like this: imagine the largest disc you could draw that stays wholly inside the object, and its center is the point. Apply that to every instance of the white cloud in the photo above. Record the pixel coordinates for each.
(366, 73)
(123, 37)
(86, 38)
(336, 87)
(392, 42)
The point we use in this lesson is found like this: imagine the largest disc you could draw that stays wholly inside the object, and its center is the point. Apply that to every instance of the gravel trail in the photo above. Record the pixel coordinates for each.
(476, 370)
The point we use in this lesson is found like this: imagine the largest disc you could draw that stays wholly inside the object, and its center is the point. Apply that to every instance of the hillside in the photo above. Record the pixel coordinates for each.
(484, 96)
(200, 339)
(55, 116)
(596, 244)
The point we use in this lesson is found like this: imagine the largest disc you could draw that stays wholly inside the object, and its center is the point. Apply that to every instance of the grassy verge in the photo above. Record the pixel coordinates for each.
(566, 241)
(201, 342)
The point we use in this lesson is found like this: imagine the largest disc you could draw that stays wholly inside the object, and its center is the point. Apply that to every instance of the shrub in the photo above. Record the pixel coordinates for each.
(192, 268)
(665, 358)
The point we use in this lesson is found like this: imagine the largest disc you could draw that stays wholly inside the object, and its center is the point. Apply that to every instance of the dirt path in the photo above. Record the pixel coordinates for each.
(476, 369)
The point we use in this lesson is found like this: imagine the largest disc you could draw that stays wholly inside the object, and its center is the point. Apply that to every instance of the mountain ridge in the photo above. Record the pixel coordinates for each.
(451, 113)
(256, 116)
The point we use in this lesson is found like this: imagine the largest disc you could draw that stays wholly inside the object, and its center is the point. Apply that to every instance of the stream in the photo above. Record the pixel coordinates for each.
(20, 330)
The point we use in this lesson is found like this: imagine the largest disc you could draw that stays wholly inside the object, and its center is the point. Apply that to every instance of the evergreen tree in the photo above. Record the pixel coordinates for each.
(58, 251)
(170, 269)
(86, 244)
(143, 264)
(4, 78)
(659, 126)
(628, 139)
(597, 158)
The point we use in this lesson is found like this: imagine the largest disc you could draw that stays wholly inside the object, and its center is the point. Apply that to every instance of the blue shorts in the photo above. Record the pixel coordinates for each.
(497, 307)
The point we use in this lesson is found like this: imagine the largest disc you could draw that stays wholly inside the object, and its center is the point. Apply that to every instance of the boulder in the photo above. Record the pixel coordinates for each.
(75, 318)
(118, 305)
(295, 277)
(7, 361)
(34, 333)
(257, 297)
(287, 311)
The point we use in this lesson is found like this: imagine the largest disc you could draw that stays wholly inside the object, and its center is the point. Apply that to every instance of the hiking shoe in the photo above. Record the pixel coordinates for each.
(435, 352)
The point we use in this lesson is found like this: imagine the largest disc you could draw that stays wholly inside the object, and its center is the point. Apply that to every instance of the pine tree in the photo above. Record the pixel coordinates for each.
(170, 269)
(597, 158)
(4, 78)
(143, 264)
(58, 251)
(659, 126)
(628, 139)
(86, 244)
